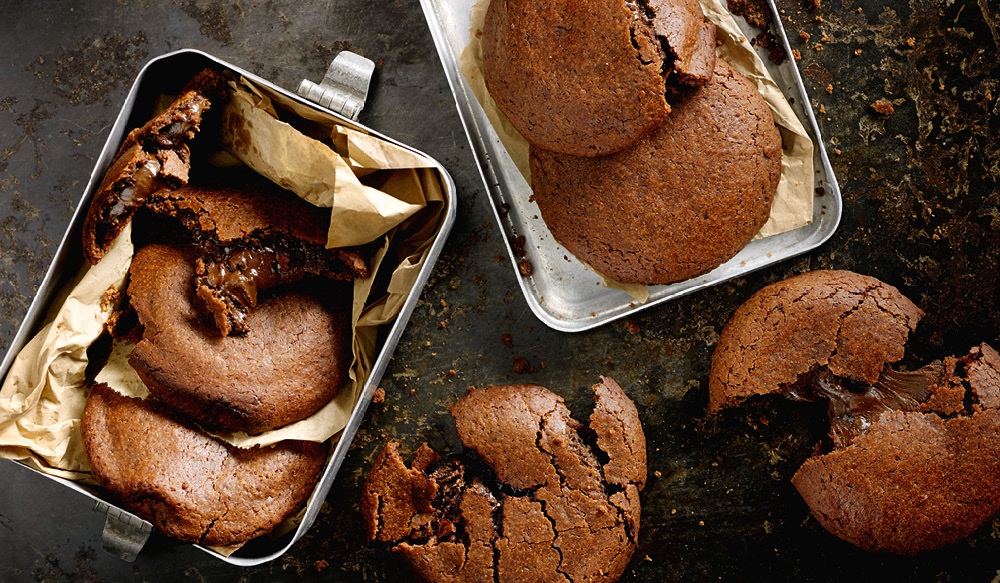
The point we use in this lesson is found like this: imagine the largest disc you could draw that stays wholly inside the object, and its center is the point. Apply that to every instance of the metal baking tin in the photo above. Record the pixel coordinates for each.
(124, 533)
(563, 293)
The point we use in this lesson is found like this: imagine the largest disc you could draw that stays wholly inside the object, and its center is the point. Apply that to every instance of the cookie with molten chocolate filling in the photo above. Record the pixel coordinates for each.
(292, 361)
(190, 485)
(588, 78)
(153, 156)
(253, 235)
(914, 457)
(560, 501)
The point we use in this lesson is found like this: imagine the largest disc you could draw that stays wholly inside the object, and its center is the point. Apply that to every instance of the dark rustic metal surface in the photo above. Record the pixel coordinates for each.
(922, 211)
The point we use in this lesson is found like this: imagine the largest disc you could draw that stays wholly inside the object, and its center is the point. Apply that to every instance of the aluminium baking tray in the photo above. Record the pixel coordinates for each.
(561, 291)
(124, 533)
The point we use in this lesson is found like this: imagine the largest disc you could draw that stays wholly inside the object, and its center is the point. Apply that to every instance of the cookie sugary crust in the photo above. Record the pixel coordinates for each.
(560, 514)
(568, 77)
(851, 323)
(684, 200)
(292, 361)
(189, 485)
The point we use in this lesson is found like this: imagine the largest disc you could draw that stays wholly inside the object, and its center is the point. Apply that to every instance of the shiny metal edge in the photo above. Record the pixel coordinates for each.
(517, 215)
(69, 245)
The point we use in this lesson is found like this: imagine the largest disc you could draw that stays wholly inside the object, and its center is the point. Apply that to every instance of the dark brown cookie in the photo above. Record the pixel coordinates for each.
(684, 200)
(915, 481)
(586, 78)
(293, 360)
(913, 460)
(253, 235)
(848, 323)
(190, 485)
(153, 156)
(551, 510)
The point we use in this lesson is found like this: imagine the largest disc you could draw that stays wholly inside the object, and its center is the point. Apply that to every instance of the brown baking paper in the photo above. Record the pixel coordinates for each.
(793, 200)
(399, 211)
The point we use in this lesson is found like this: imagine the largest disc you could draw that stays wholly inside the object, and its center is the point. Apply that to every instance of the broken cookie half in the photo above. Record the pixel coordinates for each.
(913, 462)
(153, 156)
(589, 77)
(539, 497)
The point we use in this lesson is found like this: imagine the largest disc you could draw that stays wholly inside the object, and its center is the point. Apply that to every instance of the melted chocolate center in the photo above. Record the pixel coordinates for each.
(855, 406)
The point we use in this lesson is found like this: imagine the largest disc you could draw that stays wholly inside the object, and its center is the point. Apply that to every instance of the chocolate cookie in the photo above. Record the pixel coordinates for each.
(153, 156)
(292, 361)
(587, 78)
(913, 460)
(849, 324)
(916, 480)
(190, 485)
(684, 200)
(253, 235)
(555, 505)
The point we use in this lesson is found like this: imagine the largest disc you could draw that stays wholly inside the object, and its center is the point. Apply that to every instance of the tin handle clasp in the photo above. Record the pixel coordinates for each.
(344, 88)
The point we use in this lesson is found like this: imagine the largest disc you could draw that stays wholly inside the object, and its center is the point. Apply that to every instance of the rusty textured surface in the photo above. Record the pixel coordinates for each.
(922, 212)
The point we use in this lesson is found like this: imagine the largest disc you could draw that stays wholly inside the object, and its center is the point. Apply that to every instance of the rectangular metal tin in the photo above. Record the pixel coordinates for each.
(563, 293)
(68, 259)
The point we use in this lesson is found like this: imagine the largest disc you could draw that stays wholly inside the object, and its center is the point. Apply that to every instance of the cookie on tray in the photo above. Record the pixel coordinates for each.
(191, 486)
(153, 156)
(684, 200)
(589, 78)
(293, 360)
(555, 502)
(252, 235)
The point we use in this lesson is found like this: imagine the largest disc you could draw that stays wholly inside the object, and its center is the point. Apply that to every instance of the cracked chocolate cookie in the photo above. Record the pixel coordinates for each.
(292, 361)
(843, 322)
(153, 156)
(589, 78)
(190, 485)
(253, 235)
(683, 201)
(912, 460)
(539, 498)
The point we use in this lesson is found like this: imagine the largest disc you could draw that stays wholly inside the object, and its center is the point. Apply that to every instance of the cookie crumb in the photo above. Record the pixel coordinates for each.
(525, 268)
(379, 396)
(804, 36)
(883, 106)
(507, 340)
(522, 366)
(829, 89)
(632, 326)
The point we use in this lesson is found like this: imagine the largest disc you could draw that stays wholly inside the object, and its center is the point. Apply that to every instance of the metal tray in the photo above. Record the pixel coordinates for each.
(563, 293)
(124, 533)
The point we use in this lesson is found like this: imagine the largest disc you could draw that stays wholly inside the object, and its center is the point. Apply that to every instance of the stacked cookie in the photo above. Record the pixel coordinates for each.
(241, 321)
(651, 160)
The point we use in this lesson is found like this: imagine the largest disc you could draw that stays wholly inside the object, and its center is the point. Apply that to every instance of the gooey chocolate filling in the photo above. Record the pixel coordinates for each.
(854, 406)
(230, 284)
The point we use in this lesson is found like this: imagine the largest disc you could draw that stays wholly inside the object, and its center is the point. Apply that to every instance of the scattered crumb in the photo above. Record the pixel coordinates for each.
(522, 366)
(814, 4)
(442, 324)
(525, 268)
(883, 106)
(911, 42)
(632, 326)
(824, 38)
(321, 565)
(818, 47)
(507, 340)
(517, 245)
(658, 473)
(804, 36)
(701, 523)
(646, 558)
(829, 89)
(797, 54)
(379, 396)
(822, 108)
